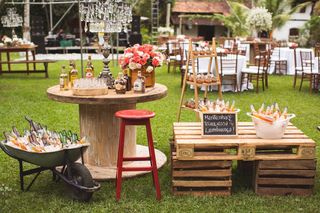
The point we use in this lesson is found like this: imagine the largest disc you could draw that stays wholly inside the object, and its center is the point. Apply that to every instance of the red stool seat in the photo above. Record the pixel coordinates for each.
(135, 114)
(136, 117)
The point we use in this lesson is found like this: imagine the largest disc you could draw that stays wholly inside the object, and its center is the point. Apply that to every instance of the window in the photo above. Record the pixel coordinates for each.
(297, 2)
(294, 32)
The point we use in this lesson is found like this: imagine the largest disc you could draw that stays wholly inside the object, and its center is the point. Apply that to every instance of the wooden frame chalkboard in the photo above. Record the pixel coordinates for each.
(218, 124)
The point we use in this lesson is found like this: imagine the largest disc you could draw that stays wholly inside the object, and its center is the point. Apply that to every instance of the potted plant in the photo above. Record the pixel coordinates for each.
(144, 58)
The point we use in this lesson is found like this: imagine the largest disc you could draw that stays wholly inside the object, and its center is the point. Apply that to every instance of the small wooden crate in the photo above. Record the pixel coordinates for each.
(200, 177)
(285, 177)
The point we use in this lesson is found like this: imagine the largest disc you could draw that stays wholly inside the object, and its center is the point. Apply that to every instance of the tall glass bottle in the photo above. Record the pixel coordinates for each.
(89, 68)
(73, 75)
(139, 84)
(128, 79)
(63, 82)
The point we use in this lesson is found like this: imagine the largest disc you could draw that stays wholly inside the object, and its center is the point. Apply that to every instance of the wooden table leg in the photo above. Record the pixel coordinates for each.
(8, 59)
(0, 63)
(34, 58)
(27, 58)
(99, 124)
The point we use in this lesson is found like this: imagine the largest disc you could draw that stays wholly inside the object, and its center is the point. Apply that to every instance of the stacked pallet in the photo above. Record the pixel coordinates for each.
(286, 177)
(202, 166)
(201, 177)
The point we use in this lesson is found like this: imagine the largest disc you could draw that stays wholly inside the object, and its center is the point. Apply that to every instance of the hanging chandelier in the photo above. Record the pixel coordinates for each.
(106, 15)
(11, 19)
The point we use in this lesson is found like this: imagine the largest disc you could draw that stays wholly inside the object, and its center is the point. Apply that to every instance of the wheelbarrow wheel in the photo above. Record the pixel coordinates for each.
(81, 176)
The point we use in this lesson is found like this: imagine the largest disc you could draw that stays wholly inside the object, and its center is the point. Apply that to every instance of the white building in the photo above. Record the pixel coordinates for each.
(295, 23)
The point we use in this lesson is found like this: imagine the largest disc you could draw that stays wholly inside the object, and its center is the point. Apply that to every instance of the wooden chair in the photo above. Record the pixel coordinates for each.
(280, 63)
(229, 69)
(256, 50)
(297, 69)
(256, 73)
(307, 69)
(173, 54)
(242, 50)
(316, 81)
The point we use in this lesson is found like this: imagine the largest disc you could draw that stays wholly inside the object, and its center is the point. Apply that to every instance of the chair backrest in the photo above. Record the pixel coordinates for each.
(317, 60)
(242, 50)
(295, 57)
(173, 48)
(203, 65)
(256, 49)
(264, 61)
(317, 49)
(306, 59)
(228, 63)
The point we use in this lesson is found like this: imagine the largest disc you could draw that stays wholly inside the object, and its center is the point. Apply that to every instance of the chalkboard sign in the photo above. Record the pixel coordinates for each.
(219, 124)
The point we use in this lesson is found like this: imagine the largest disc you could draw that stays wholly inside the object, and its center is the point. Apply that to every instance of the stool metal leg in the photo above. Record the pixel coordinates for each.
(120, 160)
(153, 160)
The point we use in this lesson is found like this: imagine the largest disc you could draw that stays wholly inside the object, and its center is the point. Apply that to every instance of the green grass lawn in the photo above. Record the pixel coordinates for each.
(22, 95)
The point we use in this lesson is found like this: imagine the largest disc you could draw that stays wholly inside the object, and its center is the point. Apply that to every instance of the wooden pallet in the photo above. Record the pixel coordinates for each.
(200, 178)
(191, 145)
(285, 177)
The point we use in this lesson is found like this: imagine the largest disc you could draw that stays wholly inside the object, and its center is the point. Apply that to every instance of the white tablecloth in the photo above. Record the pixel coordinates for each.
(203, 68)
(288, 54)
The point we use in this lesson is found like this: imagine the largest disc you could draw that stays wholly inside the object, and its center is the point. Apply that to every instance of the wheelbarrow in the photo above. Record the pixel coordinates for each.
(76, 175)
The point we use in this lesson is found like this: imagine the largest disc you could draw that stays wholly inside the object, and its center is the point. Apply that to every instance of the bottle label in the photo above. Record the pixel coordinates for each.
(137, 86)
(61, 82)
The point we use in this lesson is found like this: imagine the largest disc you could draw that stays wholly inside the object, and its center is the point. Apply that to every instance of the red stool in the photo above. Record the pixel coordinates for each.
(136, 117)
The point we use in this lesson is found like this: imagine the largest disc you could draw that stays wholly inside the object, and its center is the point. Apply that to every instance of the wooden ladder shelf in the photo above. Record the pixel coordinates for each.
(192, 56)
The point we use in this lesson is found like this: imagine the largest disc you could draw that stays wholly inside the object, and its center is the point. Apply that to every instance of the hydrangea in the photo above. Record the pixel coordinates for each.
(259, 19)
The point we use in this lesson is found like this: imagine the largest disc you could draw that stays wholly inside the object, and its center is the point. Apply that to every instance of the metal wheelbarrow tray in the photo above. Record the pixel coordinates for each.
(76, 175)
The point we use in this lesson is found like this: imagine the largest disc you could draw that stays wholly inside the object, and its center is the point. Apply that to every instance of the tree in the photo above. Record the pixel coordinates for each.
(236, 21)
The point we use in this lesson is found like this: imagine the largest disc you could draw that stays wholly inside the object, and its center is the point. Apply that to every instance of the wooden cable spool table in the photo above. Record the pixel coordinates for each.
(98, 123)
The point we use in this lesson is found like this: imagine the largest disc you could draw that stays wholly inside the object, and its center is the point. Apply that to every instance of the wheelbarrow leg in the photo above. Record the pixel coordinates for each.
(34, 179)
(54, 177)
(21, 175)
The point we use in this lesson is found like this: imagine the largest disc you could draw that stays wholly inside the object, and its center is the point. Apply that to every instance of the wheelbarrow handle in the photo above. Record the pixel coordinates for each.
(6, 150)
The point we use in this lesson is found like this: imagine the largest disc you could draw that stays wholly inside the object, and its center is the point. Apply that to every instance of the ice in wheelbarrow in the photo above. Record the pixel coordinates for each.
(40, 139)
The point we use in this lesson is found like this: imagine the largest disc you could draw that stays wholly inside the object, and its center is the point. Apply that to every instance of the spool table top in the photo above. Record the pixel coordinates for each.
(157, 92)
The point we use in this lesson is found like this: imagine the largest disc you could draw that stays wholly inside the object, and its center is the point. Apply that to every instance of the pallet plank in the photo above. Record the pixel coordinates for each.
(288, 164)
(201, 183)
(202, 173)
(201, 164)
(285, 181)
(204, 193)
(284, 191)
(277, 172)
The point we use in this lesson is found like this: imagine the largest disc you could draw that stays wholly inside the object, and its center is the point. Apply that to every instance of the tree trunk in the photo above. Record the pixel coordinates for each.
(26, 21)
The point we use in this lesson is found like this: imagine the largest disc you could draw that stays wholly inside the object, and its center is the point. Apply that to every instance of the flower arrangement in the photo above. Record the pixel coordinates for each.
(141, 56)
(259, 19)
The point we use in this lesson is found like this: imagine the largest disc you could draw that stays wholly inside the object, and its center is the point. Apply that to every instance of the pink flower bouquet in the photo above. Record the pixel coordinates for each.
(141, 56)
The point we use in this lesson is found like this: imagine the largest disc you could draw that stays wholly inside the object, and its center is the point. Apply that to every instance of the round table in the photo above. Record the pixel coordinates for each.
(101, 127)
